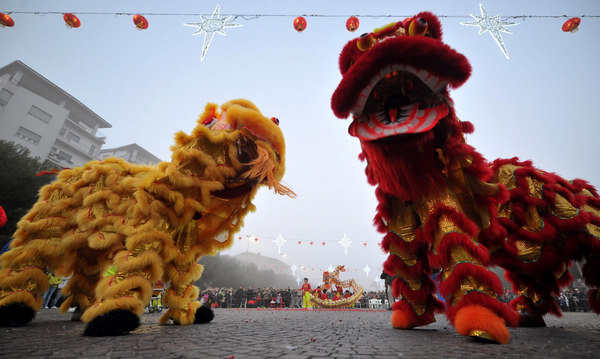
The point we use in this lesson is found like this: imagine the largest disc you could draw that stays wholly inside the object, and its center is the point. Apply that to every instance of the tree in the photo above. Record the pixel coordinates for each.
(19, 184)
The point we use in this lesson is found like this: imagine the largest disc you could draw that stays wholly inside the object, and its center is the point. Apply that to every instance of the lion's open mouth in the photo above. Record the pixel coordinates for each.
(399, 100)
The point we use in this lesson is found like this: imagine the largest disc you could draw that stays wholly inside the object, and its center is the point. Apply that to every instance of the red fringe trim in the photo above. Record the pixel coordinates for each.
(433, 306)
(479, 273)
(548, 306)
(548, 285)
(393, 264)
(401, 288)
(460, 219)
(591, 272)
(452, 240)
(414, 246)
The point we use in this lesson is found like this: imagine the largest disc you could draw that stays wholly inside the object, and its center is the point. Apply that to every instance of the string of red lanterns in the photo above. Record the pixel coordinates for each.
(72, 21)
(299, 23)
(323, 243)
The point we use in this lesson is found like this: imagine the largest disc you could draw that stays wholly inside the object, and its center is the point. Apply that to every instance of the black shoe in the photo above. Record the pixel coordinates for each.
(113, 323)
(15, 315)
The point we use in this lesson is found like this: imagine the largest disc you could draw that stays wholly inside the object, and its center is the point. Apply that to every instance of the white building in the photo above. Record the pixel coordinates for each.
(38, 114)
(132, 153)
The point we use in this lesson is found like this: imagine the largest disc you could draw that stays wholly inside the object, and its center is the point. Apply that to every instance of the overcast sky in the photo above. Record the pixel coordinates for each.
(542, 104)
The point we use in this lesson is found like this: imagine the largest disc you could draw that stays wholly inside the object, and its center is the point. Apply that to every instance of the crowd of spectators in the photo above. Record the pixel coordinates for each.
(575, 300)
(267, 297)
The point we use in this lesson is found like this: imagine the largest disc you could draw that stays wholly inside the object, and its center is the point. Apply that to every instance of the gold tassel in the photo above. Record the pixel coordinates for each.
(263, 167)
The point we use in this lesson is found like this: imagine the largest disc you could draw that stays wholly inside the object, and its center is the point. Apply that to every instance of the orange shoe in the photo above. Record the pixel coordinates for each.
(481, 323)
(400, 320)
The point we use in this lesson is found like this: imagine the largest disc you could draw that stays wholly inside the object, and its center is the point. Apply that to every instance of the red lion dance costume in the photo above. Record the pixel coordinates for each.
(443, 206)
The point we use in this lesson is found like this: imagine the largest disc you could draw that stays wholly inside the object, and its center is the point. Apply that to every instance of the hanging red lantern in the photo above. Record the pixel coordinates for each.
(365, 244)
(140, 22)
(299, 24)
(299, 242)
(240, 237)
(311, 243)
(255, 239)
(71, 20)
(323, 243)
(571, 25)
(6, 21)
(352, 23)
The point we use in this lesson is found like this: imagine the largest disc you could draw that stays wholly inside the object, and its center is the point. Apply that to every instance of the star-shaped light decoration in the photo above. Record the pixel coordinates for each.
(345, 242)
(279, 241)
(210, 26)
(492, 24)
(294, 269)
(367, 270)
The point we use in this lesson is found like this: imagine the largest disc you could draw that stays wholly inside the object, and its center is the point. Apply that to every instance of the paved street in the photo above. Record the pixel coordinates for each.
(251, 333)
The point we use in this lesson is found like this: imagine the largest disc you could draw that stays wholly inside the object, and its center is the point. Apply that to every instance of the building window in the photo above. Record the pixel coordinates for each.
(62, 132)
(28, 136)
(92, 150)
(73, 137)
(5, 96)
(64, 156)
(40, 114)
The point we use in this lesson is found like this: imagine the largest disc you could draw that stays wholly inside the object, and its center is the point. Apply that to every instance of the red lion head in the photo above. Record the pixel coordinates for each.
(395, 85)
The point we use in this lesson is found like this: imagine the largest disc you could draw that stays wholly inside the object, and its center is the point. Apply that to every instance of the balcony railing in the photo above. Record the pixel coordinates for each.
(79, 147)
(53, 157)
(98, 135)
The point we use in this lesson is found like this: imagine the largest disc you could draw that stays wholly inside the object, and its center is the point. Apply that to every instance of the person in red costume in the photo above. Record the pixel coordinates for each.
(305, 294)
(324, 294)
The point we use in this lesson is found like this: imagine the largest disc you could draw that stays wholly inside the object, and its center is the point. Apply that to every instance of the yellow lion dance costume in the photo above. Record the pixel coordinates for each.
(150, 223)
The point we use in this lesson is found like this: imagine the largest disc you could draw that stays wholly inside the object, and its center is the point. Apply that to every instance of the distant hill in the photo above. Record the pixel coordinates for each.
(264, 262)
(244, 270)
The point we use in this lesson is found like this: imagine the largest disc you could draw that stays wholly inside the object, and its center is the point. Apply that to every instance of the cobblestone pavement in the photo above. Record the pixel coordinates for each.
(251, 333)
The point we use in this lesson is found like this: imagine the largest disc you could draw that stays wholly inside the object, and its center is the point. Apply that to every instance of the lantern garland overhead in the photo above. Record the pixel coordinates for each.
(215, 24)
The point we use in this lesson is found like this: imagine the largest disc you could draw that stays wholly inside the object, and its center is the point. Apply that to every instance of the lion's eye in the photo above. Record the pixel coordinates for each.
(418, 27)
(365, 42)
(275, 120)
